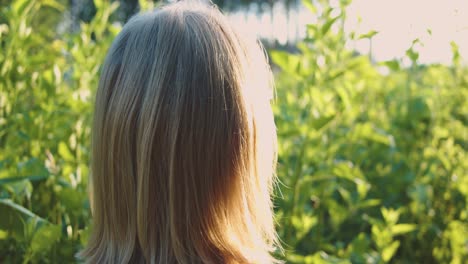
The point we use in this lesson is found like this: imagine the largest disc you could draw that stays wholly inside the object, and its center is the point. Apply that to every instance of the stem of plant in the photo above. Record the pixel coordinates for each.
(297, 175)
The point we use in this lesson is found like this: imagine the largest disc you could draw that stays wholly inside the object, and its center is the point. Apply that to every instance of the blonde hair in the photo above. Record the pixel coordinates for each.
(183, 144)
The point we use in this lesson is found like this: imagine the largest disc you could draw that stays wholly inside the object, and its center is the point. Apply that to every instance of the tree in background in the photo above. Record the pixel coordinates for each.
(85, 10)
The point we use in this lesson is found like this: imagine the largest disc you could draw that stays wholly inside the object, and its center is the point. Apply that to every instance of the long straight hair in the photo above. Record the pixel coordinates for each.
(183, 144)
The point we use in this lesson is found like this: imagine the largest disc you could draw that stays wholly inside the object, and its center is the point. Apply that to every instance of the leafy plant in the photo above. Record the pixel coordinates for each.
(355, 143)
(373, 166)
(46, 90)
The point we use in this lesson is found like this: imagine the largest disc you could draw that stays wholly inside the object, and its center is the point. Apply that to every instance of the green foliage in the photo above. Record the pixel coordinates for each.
(373, 166)
(46, 92)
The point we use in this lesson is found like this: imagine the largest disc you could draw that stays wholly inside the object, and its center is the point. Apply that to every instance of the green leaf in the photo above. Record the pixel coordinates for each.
(15, 217)
(10, 206)
(33, 178)
(309, 5)
(322, 121)
(419, 109)
(360, 244)
(390, 250)
(21, 189)
(344, 97)
(412, 54)
(368, 35)
(303, 224)
(362, 187)
(280, 58)
(455, 53)
(72, 200)
(346, 195)
(84, 235)
(45, 238)
(326, 27)
(334, 75)
(3, 234)
(393, 65)
(19, 6)
(369, 203)
(390, 215)
(370, 132)
(54, 4)
(402, 229)
(65, 152)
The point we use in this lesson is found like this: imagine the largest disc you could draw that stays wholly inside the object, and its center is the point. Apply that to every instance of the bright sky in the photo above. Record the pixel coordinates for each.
(399, 22)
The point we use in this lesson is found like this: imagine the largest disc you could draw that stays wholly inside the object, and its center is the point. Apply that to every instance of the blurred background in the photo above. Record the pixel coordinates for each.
(371, 112)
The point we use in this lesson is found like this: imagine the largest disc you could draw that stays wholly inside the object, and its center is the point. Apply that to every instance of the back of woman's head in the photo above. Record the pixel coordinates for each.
(183, 144)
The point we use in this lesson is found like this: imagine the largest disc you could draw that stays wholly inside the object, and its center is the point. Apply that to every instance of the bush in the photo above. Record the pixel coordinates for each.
(46, 89)
(372, 166)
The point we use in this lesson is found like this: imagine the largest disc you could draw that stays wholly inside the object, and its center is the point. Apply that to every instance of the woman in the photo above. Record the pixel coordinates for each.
(183, 144)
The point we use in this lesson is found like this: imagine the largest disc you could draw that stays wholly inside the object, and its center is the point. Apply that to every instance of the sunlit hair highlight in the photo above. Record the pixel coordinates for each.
(183, 144)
